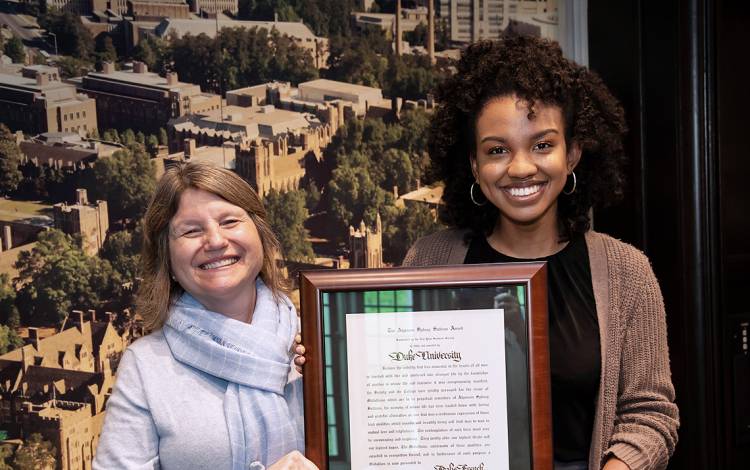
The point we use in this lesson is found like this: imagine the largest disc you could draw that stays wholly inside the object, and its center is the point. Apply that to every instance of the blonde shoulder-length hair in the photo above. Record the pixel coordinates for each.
(157, 290)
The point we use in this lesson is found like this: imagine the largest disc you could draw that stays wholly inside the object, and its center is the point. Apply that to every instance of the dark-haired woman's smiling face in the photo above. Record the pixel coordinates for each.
(522, 164)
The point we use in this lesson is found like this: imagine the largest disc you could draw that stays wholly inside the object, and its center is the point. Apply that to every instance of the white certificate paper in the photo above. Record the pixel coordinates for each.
(427, 390)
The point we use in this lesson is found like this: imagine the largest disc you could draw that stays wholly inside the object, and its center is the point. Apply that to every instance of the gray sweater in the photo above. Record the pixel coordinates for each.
(636, 417)
(164, 414)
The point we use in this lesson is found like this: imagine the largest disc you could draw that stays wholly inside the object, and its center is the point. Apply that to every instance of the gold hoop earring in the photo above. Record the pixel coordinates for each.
(575, 183)
(471, 195)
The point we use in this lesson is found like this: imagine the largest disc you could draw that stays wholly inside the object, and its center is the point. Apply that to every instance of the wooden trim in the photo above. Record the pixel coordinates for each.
(539, 373)
(316, 434)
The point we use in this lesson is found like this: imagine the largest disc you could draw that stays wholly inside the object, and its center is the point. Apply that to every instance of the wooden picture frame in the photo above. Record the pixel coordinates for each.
(328, 295)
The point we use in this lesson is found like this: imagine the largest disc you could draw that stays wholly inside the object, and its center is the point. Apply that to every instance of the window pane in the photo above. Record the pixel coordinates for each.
(403, 297)
(387, 297)
(327, 347)
(333, 445)
(371, 298)
(331, 412)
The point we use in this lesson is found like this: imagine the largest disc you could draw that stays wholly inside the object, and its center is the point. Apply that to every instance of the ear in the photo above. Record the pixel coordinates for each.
(573, 156)
(473, 164)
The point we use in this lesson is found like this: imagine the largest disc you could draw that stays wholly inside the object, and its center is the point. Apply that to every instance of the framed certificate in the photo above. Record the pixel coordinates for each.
(439, 368)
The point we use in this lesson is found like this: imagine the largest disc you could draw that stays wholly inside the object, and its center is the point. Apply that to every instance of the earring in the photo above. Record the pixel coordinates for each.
(575, 182)
(471, 195)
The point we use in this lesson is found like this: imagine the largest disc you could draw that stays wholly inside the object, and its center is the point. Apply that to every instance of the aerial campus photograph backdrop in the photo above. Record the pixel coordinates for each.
(322, 106)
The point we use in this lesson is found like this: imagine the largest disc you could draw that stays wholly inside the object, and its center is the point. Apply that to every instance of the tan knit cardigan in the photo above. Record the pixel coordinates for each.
(636, 417)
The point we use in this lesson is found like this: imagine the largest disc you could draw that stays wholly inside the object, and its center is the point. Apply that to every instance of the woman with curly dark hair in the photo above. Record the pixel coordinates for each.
(527, 142)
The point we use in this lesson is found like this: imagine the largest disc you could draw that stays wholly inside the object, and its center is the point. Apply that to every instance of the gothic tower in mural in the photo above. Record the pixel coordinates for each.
(366, 245)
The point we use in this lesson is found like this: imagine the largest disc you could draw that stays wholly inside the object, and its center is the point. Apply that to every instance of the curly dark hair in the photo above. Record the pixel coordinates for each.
(535, 71)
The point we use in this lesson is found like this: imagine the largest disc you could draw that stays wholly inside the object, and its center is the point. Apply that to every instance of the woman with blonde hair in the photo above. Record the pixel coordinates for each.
(212, 385)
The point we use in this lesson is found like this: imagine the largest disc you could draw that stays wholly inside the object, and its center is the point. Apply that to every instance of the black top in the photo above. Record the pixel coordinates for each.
(575, 354)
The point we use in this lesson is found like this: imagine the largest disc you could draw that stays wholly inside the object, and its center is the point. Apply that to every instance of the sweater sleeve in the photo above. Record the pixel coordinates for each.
(646, 421)
(416, 255)
(129, 439)
(439, 248)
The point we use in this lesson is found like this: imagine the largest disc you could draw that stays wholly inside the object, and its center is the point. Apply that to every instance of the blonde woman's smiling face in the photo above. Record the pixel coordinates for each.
(215, 251)
(522, 164)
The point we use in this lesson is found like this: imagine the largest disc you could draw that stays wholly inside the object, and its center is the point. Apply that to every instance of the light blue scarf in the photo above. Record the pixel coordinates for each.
(255, 359)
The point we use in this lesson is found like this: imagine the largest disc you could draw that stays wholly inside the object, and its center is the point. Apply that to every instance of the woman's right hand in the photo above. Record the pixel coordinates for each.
(293, 461)
(298, 349)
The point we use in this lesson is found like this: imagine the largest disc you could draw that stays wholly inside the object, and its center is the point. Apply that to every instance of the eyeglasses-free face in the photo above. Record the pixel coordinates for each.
(215, 251)
(522, 164)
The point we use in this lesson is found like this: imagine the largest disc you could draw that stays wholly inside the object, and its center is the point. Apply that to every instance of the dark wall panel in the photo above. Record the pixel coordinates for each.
(732, 108)
(618, 63)
(679, 68)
